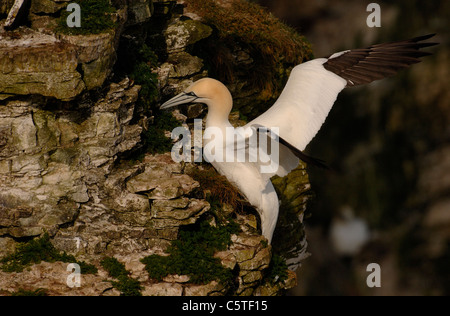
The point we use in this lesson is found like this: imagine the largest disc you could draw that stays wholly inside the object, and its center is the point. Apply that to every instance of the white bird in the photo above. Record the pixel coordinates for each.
(299, 112)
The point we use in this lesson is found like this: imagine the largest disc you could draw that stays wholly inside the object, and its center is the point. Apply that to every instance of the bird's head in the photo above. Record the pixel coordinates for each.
(208, 91)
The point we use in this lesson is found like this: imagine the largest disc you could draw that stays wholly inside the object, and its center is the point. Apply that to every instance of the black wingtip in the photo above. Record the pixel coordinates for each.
(420, 39)
(423, 37)
(363, 66)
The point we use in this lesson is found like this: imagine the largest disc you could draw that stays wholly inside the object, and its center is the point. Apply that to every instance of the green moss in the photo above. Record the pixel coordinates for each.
(125, 284)
(36, 251)
(192, 254)
(22, 292)
(95, 18)
(278, 270)
(143, 63)
(114, 268)
(155, 140)
(139, 62)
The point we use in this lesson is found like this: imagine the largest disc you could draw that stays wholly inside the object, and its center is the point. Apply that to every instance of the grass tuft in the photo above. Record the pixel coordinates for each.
(270, 42)
(218, 187)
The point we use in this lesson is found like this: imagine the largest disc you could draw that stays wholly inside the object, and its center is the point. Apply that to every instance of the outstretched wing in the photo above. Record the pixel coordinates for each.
(361, 66)
(304, 104)
(313, 87)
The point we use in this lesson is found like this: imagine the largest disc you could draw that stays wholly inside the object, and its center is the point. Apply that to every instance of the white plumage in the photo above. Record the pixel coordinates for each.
(304, 103)
(298, 114)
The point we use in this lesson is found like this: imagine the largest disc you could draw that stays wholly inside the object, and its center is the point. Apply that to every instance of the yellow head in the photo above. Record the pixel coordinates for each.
(209, 91)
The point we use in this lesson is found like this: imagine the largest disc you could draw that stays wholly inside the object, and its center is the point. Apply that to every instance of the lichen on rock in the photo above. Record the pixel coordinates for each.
(84, 151)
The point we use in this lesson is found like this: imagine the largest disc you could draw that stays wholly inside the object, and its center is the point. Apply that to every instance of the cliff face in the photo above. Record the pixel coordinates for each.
(77, 168)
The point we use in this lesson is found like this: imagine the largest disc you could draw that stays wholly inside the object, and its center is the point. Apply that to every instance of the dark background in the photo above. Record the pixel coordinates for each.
(389, 146)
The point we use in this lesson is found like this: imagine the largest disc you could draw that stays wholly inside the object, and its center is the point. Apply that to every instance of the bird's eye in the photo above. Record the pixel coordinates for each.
(191, 94)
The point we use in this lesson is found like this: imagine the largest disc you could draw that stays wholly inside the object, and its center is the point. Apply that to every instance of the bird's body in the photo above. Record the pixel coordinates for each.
(297, 115)
(246, 176)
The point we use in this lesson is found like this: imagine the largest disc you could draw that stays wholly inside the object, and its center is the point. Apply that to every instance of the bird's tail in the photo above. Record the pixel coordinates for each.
(269, 211)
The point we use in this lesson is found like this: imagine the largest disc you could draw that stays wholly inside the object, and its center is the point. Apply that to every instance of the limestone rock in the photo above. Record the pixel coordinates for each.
(268, 289)
(46, 6)
(52, 277)
(96, 53)
(212, 288)
(184, 33)
(39, 64)
(37, 61)
(184, 65)
(174, 213)
(163, 289)
(139, 11)
(68, 156)
(49, 165)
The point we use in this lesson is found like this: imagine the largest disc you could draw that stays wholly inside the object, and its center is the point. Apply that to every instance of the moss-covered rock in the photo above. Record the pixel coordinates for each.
(36, 61)
(294, 192)
(46, 6)
(184, 33)
(139, 11)
(89, 162)
(39, 64)
(97, 17)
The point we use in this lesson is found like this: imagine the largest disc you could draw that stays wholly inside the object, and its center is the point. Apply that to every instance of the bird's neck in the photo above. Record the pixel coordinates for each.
(217, 124)
(218, 113)
(220, 120)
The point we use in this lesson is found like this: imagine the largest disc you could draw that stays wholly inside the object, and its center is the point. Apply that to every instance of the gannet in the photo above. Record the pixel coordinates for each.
(298, 114)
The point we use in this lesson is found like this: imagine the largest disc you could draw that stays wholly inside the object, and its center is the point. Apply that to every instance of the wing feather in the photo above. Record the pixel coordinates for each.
(377, 61)
(304, 103)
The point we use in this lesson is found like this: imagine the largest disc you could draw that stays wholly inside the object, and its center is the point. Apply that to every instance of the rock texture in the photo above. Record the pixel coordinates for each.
(37, 61)
(72, 130)
(53, 159)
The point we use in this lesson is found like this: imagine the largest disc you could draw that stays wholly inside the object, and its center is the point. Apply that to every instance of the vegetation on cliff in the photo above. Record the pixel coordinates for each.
(125, 284)
(192, 254)
(271, 43)
(95, 18)
(37, 250)
(65, 157)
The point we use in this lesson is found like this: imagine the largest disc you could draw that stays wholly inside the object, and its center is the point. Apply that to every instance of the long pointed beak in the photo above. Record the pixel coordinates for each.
(182, 98)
